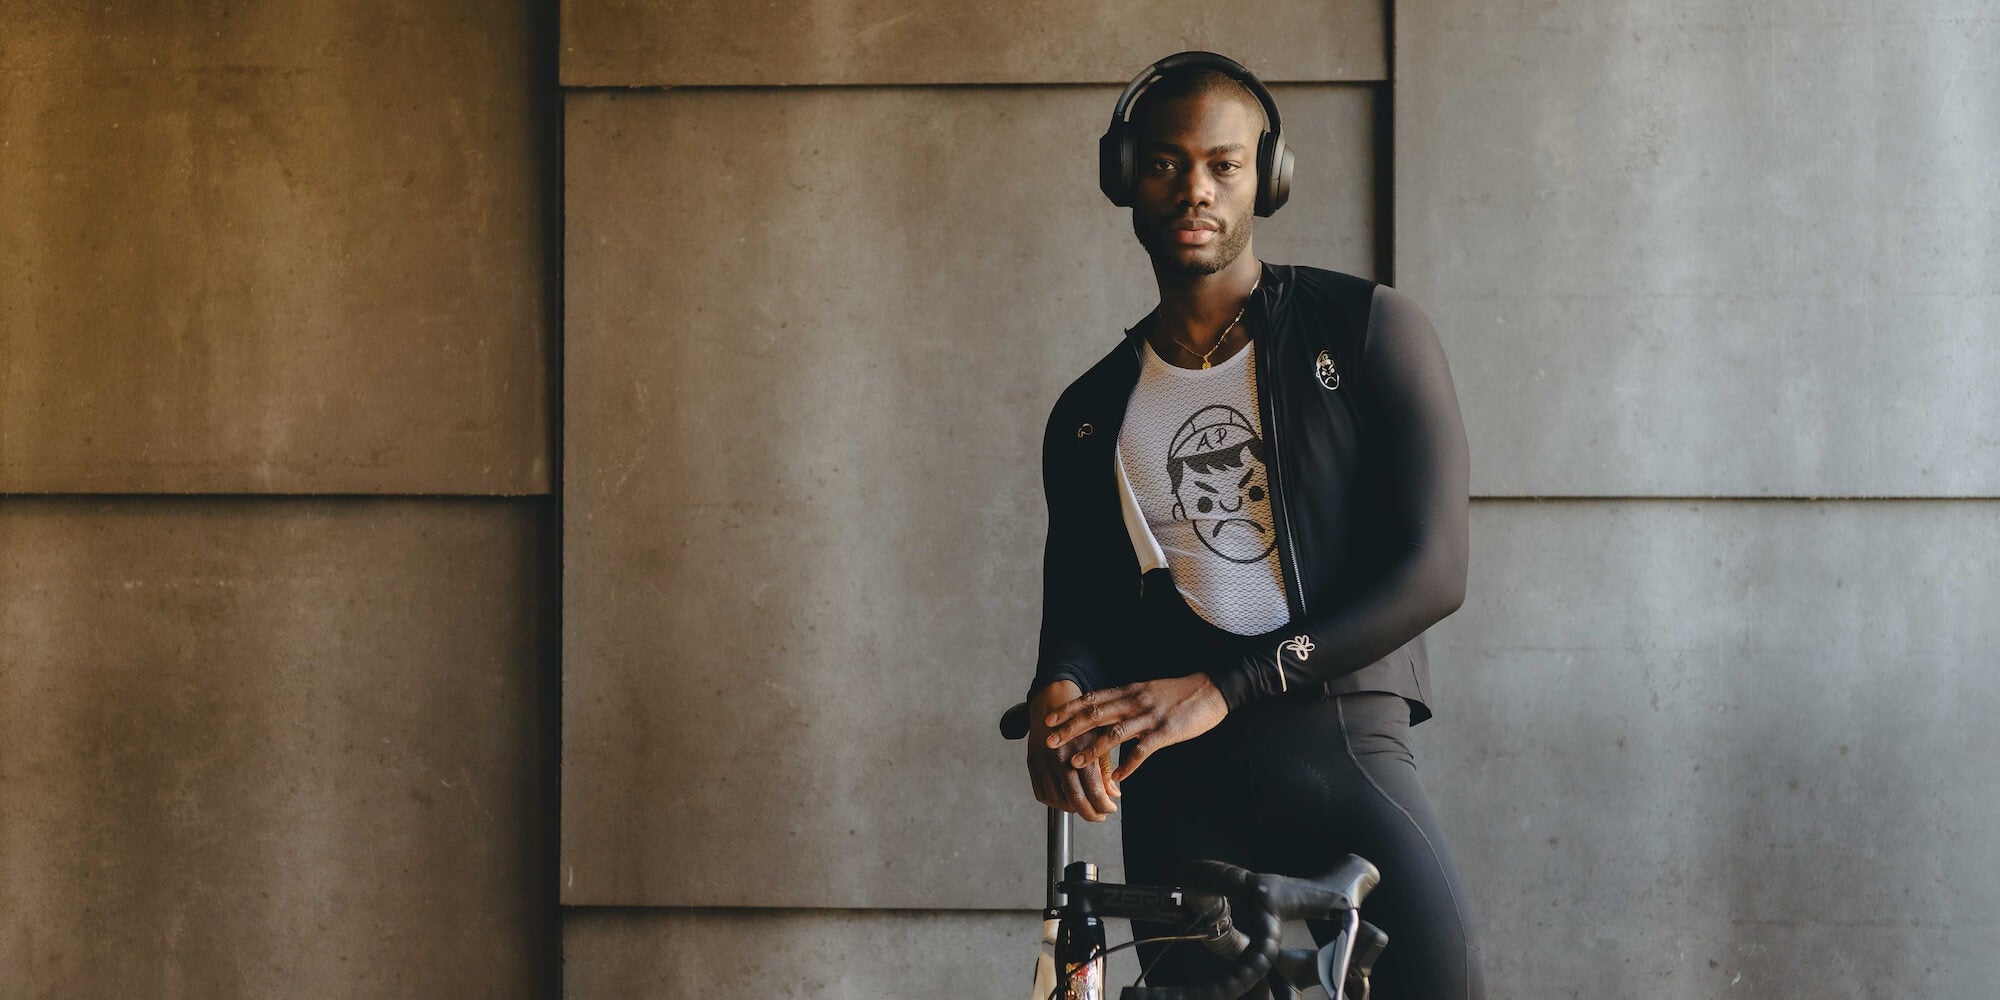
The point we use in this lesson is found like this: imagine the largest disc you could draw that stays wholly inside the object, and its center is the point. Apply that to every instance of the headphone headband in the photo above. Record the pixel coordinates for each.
(1122, 114)
(1117, 153)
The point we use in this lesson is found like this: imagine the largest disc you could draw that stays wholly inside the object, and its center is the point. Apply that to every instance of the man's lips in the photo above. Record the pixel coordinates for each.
(1194, 233)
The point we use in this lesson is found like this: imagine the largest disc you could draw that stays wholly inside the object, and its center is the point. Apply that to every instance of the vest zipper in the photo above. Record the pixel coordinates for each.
(1267, 390)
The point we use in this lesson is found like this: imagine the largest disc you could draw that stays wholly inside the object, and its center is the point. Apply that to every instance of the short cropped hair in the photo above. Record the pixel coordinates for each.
(1199, 81)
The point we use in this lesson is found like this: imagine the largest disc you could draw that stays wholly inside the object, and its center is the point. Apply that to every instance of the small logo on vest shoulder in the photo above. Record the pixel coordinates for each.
(1323, 370)
(1301, 646)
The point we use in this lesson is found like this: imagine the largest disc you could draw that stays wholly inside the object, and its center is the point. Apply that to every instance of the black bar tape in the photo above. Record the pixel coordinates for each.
(1254, 925)
(1014, 724)
(1339, 890)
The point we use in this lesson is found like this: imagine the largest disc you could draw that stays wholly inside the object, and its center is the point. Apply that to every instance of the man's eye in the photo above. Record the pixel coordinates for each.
(1163, 165)
(1227, 168)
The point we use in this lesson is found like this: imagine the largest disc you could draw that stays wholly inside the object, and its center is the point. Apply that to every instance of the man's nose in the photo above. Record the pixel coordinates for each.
(1229, 509)
(1197, 187)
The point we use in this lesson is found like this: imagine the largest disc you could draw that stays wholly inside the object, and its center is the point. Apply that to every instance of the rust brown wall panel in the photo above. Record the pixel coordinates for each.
(257, 748)
(630, 43)
(297, 248)
(812, 340)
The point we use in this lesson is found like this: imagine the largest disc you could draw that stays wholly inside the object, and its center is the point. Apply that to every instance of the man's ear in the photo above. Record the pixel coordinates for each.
(1179, 512)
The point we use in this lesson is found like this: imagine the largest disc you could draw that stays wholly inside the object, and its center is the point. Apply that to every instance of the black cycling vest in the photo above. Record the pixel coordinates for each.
(1366, 455)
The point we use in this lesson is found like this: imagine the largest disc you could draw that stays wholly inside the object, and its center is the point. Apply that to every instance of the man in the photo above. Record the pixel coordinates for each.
(1257, 504)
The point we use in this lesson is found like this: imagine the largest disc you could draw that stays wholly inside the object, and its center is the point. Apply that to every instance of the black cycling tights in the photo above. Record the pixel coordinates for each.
(1292, 786)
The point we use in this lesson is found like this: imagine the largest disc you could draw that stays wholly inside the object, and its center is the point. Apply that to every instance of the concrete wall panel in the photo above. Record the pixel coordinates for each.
(638, 954)
(1703, 749)
(254, 748)
(633, 43)
(278, 248)
(812, 341)
(1709, 248)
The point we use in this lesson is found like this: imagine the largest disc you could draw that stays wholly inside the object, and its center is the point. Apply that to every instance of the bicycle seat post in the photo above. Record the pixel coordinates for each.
(1058, 855)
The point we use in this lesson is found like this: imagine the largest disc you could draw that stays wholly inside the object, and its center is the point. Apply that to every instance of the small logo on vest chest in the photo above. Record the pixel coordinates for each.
(1323, 369)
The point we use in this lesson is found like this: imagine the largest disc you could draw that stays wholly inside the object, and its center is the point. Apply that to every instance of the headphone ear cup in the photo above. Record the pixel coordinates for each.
(1274, 172)
(1114, 165)
(1281, 191)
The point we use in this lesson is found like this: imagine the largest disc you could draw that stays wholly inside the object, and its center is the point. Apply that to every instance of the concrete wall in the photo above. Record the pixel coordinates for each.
(1702, 747)
(300, 248)
(1718, 286)
(807, 344)
(1729, 746)
(263, 747)
(1684, 746)
(1709, 249)
(811, 336)
(708, 43)
(274, 713)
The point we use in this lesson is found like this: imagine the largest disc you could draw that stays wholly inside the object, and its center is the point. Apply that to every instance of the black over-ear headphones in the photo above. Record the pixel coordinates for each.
(1118, 155)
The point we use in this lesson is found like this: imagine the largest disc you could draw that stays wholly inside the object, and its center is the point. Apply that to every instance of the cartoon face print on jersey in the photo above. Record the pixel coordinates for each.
(1216, 466)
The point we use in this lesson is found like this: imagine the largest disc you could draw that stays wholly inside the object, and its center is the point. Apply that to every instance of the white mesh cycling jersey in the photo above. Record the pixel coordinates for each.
(1191, 460)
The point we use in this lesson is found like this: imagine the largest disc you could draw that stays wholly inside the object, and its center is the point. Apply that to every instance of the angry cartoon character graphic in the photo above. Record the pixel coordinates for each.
(1216, 468)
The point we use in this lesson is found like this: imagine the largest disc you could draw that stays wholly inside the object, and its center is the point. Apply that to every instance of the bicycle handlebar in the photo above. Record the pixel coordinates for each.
(1242, 910)
(1245, 926)
(1014, 724)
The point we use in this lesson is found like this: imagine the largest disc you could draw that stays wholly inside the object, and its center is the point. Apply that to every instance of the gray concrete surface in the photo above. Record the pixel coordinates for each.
(296, 248)
(812, 338)
(1683, 750)
(274, 747)
(1726, 748)
(666, 954)
(632, 43)
(659, 953)
(1709, 248)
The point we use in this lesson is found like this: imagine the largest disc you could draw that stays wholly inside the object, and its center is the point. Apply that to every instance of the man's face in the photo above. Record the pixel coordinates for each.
(1197, 182)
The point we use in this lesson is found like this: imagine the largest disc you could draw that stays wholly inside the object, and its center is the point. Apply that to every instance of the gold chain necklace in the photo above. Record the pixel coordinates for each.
(1224, 335)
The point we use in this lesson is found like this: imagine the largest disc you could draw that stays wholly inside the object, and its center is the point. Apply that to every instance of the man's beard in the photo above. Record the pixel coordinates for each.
(1228, 246)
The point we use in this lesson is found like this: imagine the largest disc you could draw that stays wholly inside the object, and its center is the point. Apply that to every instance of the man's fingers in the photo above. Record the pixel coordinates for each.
(1108, 739)
(1076, 800)
(1091, 716)
(1083, 704)
(1043, 787)
(1086, 790)
(1097, 790)
(1061, 713)
(1134, 757)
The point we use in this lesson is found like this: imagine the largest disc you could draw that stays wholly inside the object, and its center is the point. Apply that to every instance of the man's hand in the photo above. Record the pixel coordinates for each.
(1085, 792)
(1155, 713)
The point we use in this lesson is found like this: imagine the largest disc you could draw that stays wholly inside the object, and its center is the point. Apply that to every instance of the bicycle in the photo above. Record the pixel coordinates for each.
(1233, 912)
